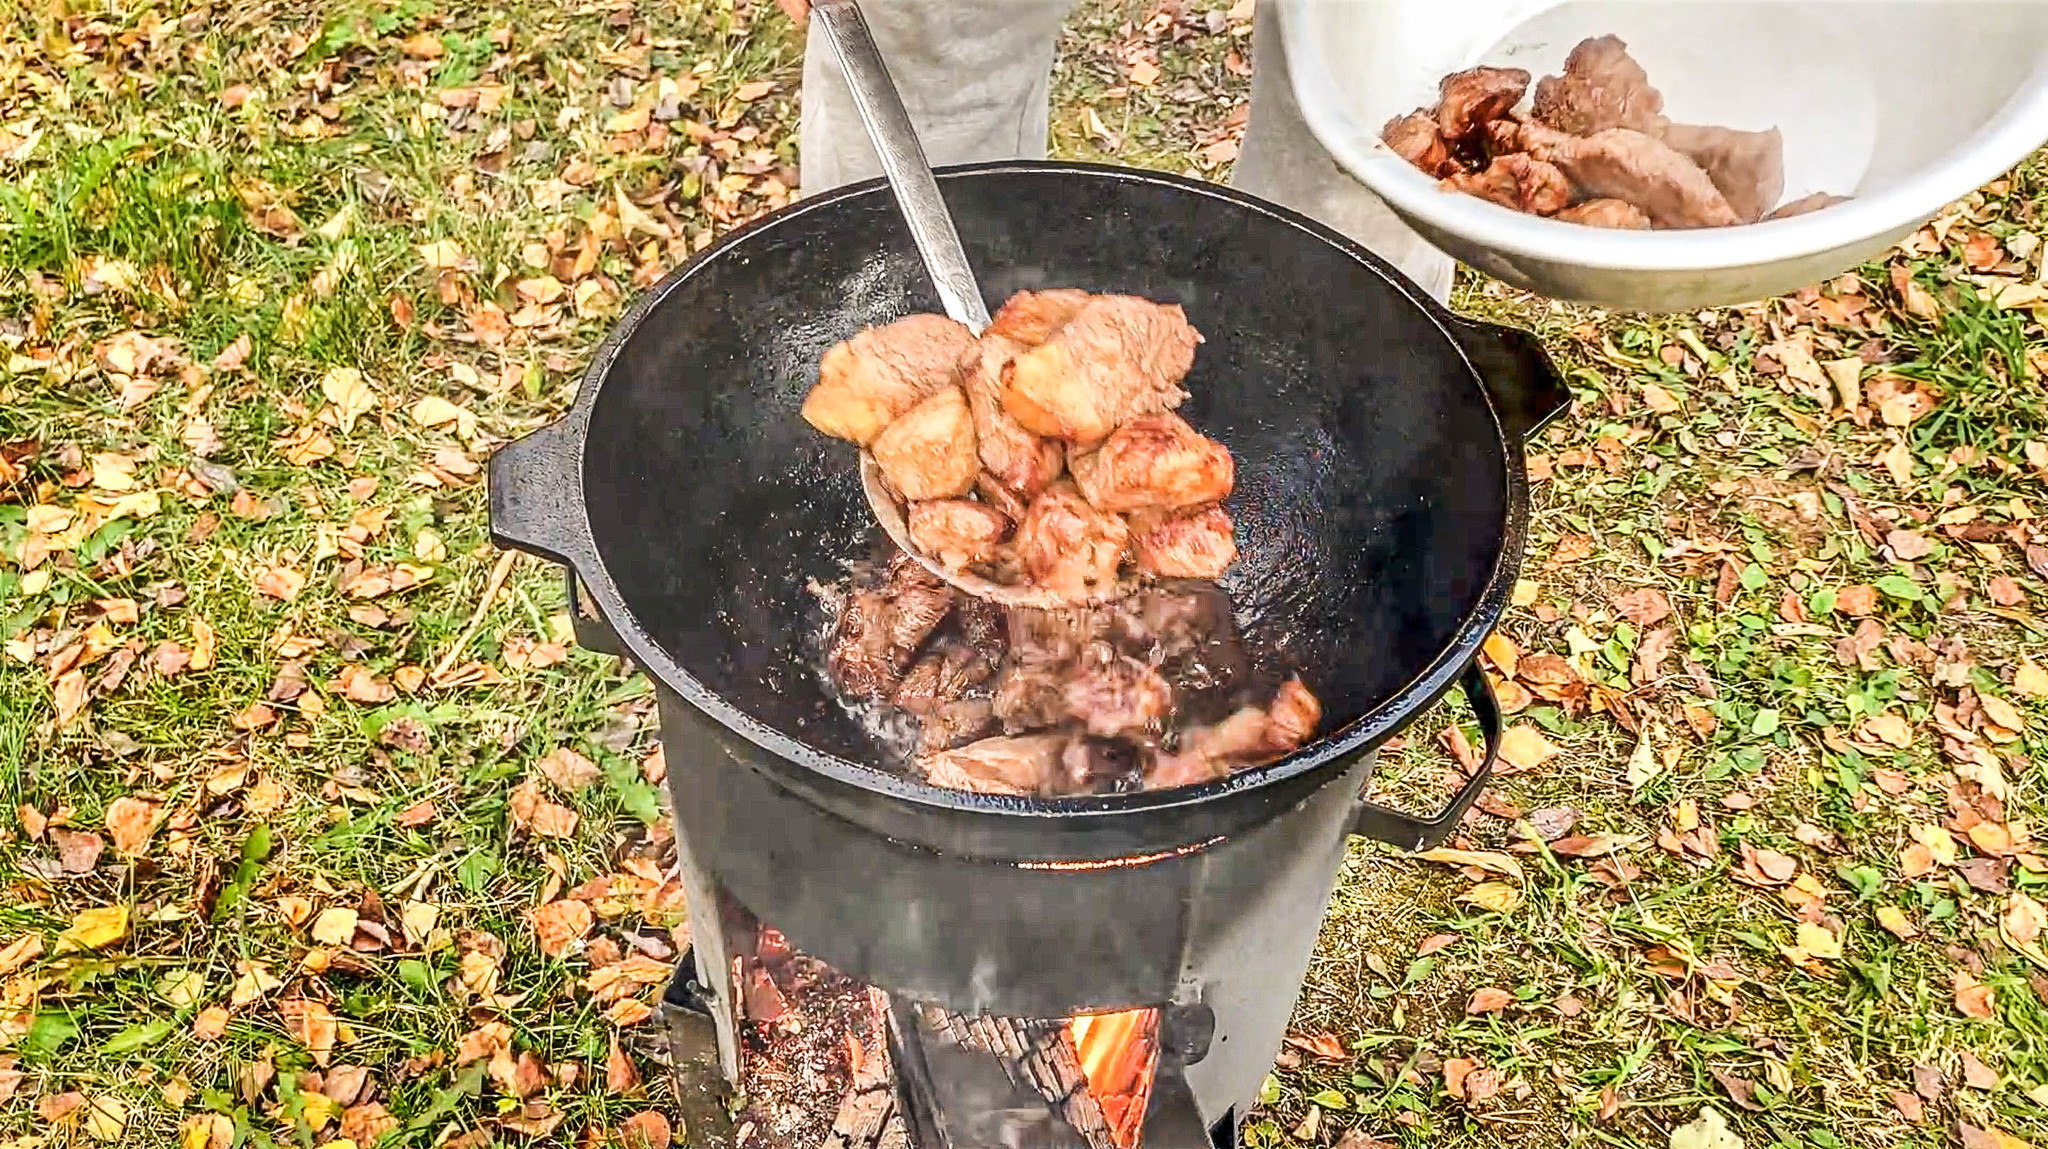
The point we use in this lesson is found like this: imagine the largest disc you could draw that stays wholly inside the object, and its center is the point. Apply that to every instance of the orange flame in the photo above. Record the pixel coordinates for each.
(1118, 1053)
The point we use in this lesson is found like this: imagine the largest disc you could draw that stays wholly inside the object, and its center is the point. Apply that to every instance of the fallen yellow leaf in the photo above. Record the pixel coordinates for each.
(1499, 897)
(1487, 860)
(351, 395)
(336, 926)
(1893, 919)
(2030, 680)
(94, 928)
(1524, 747)
(1818, 940)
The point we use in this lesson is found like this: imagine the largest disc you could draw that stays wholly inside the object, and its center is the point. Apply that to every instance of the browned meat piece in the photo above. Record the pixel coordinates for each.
(942, 675)
(1101, 766)
(1602, 87)
(1416, 138)
(957, 531)
(1807, 203)
(1032, 697)
(1154, 462)
(1113, 693)
(1475, 96)
(1518, 183)
(1292, 717)
(1019, 766)
(1048, 637)
(1003, 498)
(928, 452)
(867, 381)
(1198, 544)
(1030, 317)
(1606, 213)
(883, 627)
(860, 660)
(1119, 358)
(983, 627)
(956, 723)
(1013, 457)
(1249, 737)
(1748, 167)
(1162, 624)
(1069, 548)
(1627, 165)
(1508, 135)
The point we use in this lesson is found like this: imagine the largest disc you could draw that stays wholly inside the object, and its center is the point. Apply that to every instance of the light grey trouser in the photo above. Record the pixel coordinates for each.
(975, 75)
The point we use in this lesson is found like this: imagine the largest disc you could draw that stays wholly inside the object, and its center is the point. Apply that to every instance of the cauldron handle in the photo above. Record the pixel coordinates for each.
(536, 495)
(1408, 832)
(1525, 386)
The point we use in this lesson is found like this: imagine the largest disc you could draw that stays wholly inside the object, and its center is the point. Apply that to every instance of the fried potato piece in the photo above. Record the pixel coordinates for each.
(957, 532)
(1198, 544)
(928, 452)
(867, 381)
(1155, 462)
(1068, 547)
(1118, 358)
(1014, 457)
(1030, 317)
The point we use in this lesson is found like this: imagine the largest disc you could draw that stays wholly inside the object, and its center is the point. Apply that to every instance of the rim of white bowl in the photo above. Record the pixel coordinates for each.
(2018, 130)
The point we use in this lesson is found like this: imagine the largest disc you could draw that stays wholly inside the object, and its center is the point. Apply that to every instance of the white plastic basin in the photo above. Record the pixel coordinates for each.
(1906, 105)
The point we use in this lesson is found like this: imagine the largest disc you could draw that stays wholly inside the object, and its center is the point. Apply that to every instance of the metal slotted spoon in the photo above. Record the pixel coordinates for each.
(938, 243)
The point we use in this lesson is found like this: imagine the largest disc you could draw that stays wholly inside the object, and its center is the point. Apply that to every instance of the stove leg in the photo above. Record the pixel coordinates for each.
(714, 954)
(701, 1086)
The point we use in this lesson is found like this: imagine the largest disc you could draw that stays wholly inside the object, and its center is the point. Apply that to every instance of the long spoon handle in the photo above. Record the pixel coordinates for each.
(910, 176)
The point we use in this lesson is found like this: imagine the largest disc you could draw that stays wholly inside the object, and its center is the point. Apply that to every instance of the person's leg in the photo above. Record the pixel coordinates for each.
(1282, 161)
(974, 73)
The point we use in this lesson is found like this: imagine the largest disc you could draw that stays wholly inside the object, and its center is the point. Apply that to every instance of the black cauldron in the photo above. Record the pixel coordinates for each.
(1381, 504)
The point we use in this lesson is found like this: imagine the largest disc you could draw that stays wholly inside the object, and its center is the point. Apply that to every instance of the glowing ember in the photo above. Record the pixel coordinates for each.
(1118, 1052)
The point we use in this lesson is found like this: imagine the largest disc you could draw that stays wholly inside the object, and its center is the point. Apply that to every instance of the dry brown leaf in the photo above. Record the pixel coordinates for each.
(559, 925)
(311, 1024)
(1856, 601)
(540, 816)
(569, 770)
(282, 583)
(130, 822)
(2030, 680)
(1489, 1000)
(1973, 998)
(1591, 846)
(1456, 1070)
(210, 1023)
(1887, 728)
(20, 952)
(1909, 546)
(67, 696)
(646, 1129)
(1643, 607)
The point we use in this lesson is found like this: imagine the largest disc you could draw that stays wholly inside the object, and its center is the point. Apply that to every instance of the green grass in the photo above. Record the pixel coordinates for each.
(151, 205)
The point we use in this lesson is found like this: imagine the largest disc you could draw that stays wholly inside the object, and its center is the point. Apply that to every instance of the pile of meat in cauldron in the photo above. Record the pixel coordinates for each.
(1594, 148)
(1046, 453)
(1152, 690)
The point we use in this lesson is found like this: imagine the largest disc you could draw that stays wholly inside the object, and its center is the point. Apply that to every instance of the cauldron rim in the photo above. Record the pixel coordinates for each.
(572, 541)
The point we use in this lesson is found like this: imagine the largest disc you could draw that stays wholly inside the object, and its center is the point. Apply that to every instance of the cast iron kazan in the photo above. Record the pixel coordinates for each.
(1380, 506)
